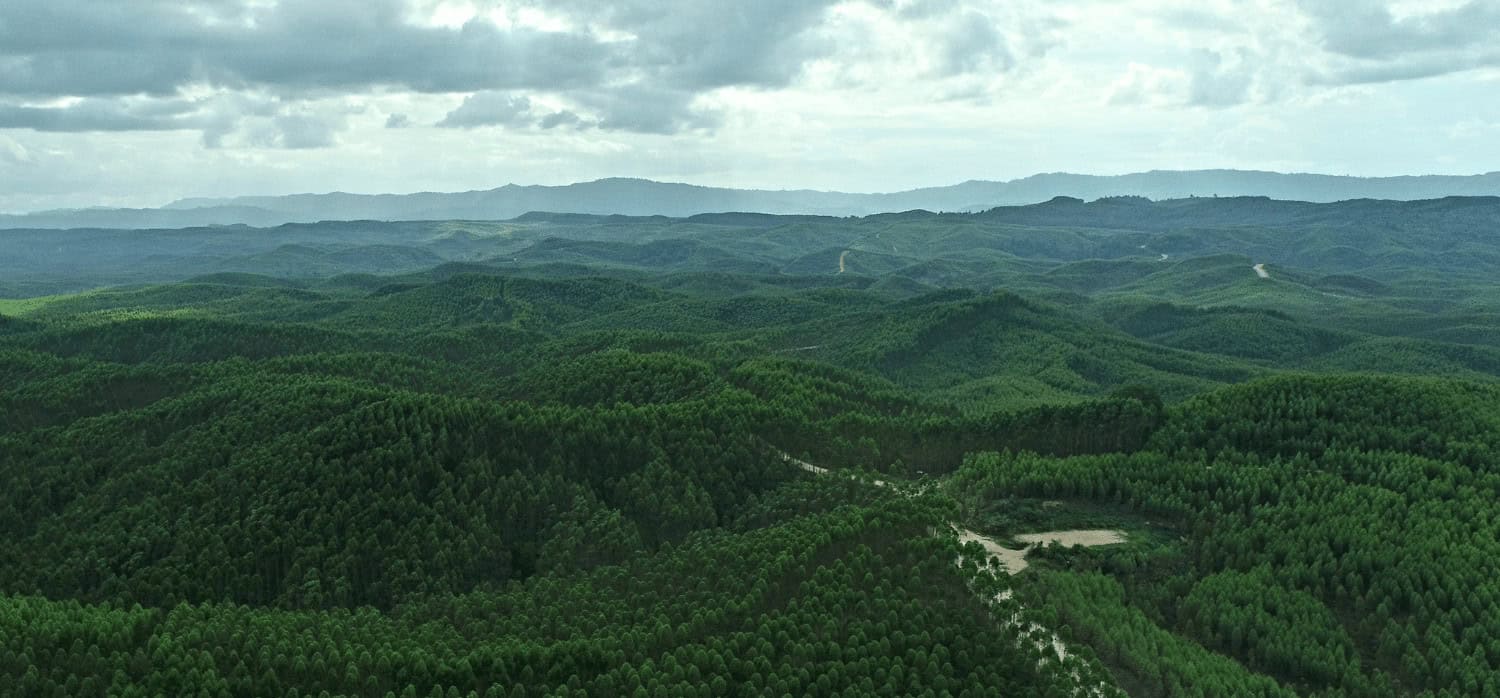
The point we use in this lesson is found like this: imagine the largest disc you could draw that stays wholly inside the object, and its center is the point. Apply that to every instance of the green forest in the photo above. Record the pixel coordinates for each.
(1207, 447)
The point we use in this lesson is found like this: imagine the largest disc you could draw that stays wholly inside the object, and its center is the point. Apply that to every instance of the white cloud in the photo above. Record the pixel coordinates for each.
(1148, 85)
(490, 109)
(847, 94)
(13, 152)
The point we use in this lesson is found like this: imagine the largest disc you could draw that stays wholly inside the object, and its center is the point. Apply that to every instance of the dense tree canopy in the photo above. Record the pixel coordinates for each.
(632, 457)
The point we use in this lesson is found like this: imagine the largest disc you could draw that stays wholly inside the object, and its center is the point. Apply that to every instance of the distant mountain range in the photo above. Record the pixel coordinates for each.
(640, 197)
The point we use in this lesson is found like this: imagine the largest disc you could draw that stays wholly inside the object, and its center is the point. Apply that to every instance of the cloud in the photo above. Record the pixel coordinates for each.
(974, 44)
(83, 48)
(647, 109)
(1234, 54)
(630, 108)
(578, 51)
(157, 47)
(877, 93)
(272, 123)
(490, 109)
(1369, 41)
(963, 50)
(1222, 79)
(95, 114)
(1147, 85)
(14, 153)
(590, 55)
(299, 131)
(1371, 29)
(560, 119)
(696, 45)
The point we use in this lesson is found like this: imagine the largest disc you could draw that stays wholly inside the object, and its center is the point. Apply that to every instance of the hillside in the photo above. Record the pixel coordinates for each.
(639, 197)
(740, 454)
(1361, 246)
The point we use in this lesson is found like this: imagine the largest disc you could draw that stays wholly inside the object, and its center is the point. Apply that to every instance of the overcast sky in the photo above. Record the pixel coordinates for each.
(139, 102)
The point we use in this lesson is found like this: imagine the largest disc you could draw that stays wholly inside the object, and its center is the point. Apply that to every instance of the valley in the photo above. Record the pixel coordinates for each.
(739, 454)
(795, 349)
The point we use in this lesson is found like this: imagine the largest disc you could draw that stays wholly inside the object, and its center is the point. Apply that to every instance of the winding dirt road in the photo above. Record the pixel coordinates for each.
(1014, 561)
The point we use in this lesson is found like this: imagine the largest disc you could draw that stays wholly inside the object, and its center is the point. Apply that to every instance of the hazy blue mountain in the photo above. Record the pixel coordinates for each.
(1118, 240)
(639, 197)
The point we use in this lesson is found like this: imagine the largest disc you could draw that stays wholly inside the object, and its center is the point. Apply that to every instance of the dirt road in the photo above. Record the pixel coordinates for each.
(1014, 561)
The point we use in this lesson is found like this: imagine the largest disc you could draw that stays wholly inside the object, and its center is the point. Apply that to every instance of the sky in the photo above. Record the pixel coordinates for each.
(141, 102)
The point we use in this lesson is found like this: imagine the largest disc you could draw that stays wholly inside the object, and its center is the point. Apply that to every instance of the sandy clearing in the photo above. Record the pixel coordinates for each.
(842, 255)
(1260, 270)
(1071, 538)
(1015, 560)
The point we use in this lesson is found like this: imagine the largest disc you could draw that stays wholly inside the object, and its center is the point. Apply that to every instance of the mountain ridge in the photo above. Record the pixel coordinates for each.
(645, 197)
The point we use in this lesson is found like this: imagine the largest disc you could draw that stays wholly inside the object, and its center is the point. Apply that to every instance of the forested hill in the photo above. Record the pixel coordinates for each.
(645, 197)
(1379, 240)
(1139, 213)
(739, 455)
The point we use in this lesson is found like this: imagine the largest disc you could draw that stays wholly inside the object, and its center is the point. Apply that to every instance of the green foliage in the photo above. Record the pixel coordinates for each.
(1156, 661)
(840, 603)
(548, 456)
(1284, 632)
(1341, 528)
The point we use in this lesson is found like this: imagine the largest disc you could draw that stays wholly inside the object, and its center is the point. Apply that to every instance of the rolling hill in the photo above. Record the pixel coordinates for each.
(639, 197)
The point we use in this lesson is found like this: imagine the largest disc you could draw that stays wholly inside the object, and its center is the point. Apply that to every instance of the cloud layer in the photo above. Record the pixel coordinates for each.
(595, 81)
(632, 65)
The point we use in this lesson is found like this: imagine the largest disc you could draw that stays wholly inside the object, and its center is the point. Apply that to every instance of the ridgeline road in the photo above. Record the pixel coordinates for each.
(1014, 561)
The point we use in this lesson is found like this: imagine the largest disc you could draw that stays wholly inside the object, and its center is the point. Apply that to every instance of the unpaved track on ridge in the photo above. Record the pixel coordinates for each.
(1014, 562)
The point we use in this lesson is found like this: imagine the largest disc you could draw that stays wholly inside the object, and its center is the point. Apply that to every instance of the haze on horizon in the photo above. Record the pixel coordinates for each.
(139, 103)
